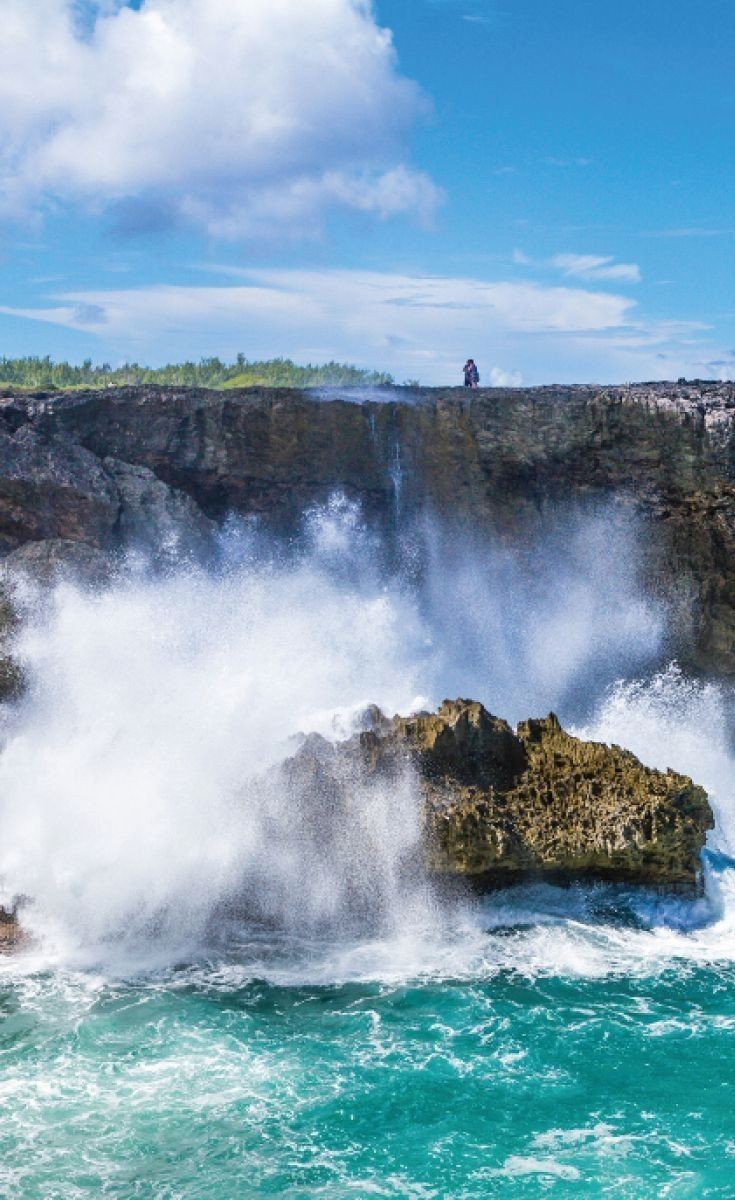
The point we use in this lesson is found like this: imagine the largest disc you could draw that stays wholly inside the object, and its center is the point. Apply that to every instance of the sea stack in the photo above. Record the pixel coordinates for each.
(503, 806)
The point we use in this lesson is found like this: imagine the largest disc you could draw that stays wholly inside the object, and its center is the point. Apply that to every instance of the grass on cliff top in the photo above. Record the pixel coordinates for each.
(43, 374)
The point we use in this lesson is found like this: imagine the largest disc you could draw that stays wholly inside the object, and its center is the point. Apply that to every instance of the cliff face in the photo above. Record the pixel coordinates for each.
(94, 468)
(503, 806)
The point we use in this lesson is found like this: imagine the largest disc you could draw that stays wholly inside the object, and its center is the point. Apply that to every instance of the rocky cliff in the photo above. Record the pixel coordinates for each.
(502, 806)
(82, 473)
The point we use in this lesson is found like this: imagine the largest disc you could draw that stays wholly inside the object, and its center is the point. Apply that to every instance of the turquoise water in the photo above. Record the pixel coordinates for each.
(575, 1057)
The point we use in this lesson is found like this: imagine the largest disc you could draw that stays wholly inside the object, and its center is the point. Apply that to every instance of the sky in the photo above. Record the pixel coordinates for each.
(543, 185)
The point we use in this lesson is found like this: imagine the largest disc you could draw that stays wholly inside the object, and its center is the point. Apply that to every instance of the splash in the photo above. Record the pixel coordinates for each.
(136, 789)
(141, 799)
(669, 720)
(549, 623)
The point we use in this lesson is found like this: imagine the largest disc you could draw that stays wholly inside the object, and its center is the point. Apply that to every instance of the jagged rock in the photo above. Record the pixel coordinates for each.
(12, 681)
(155, 516)
(502, 806)
(63, 508)
(11, 934)
(52, 488)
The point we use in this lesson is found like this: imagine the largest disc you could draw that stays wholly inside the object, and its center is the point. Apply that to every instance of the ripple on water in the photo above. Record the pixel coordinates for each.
(563, 1057)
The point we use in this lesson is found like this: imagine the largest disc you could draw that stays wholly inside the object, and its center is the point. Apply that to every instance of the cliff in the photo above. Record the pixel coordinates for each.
(503, 806)
(84, 472)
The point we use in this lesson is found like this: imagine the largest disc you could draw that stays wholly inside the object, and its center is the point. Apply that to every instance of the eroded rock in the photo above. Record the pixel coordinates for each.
(12, 935)
(52, 488)
(501, 806)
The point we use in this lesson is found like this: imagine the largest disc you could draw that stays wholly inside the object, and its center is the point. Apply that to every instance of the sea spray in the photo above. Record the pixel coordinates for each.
(545, 623)
(136, 797)
(140, 798)
(669, 720)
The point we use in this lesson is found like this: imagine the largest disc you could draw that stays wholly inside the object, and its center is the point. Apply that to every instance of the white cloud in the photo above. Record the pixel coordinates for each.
(501, 378)
(588, 267)
(383, 300)
(412, 325)
(477, 19)
(595, 266)
(242, 114)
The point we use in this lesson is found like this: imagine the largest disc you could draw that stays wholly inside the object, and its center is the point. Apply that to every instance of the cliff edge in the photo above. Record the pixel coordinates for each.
(83, 473)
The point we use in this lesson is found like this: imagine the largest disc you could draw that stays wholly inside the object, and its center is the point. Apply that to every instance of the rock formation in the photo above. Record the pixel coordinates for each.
(503, 806)
(102, 467)
(11, 932)
(499, 807)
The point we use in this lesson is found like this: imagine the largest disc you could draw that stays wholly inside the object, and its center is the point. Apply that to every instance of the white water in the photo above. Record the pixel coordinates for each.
(135, 800)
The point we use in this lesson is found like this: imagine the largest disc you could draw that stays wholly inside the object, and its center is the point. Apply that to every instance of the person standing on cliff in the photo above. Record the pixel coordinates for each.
(471, 374)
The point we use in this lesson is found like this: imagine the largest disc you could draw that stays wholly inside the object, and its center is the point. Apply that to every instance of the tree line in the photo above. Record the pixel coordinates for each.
(43, 373)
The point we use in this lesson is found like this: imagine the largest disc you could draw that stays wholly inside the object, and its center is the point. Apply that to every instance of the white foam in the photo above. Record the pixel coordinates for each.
(132, 796)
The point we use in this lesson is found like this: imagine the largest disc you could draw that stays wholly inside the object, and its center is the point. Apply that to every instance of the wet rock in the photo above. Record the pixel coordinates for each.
(12, 935)
(47, 561)
(502, 806)
(156, 517)
(11, 675)
(12, 680)
(40, 564)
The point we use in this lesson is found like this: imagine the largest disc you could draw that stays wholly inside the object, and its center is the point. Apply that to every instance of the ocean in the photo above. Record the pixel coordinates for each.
(199, 1013)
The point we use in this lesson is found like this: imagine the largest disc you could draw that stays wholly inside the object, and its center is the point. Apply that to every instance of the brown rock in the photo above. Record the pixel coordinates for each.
(501, 806)
(11, 933)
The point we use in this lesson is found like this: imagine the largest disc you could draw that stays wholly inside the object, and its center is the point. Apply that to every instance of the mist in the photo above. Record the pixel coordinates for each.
(140, 792)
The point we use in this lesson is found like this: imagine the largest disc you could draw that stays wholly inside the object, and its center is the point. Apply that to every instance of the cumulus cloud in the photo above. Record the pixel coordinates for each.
(242, 115)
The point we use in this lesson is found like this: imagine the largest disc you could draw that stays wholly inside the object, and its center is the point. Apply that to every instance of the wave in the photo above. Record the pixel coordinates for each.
(139, 807)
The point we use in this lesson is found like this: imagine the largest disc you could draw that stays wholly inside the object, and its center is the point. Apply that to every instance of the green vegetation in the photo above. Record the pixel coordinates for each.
(42, 373)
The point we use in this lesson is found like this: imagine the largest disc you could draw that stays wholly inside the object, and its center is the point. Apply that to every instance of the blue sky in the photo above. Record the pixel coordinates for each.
(545, 186)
